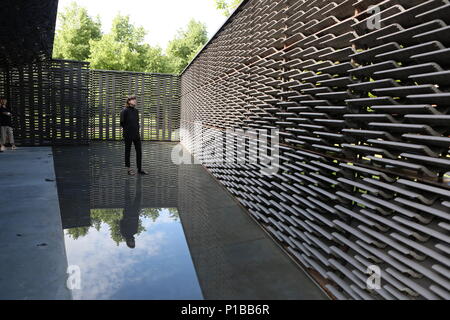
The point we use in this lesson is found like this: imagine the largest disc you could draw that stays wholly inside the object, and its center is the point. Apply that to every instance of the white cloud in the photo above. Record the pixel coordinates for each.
(161, 19)
(161, 255)
(97, 251)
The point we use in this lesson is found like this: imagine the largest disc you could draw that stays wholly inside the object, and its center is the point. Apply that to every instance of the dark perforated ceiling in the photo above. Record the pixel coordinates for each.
(27, 30)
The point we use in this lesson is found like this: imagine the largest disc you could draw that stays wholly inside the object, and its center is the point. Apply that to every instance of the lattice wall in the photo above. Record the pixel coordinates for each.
(363, 115)
(58, 101)
(70, 102)
(3, 90)
(49, 101)
(29, 100)
(158, 101)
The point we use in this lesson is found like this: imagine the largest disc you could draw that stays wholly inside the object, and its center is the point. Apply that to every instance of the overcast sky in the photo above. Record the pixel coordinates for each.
(161, 18)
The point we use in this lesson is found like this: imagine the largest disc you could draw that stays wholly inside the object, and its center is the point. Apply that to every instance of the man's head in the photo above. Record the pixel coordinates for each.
(131, 243)
(3, 101)
(131, 101)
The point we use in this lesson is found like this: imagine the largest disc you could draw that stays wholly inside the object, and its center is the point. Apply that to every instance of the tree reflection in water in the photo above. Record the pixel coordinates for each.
(112, 218)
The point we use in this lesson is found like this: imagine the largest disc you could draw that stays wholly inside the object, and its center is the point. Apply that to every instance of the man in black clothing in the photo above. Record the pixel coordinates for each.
(129, 121)
(129, 224)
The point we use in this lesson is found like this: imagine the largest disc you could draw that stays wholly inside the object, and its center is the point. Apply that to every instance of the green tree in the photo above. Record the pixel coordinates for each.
(174, 214)
(227, 6)
(109, 54)
(76, 30)
(125, 32)
(112, 218)
(124, 49)
(157, 61)
(76, 233)
(186, 44)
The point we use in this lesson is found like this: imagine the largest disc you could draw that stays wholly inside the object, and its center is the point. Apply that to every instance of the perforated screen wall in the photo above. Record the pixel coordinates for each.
(359, 93)
(64, 102)
(3, 75)
(49, 101)
(158, 98)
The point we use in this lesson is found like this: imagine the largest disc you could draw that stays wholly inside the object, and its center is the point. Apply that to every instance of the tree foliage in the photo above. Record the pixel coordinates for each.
(76, 31)
(187, 44)
(227, 6)
(112, 217)
(123, 48)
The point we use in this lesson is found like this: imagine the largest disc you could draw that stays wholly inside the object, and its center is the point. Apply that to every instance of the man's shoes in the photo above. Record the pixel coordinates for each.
(2, 148)
(142, 172)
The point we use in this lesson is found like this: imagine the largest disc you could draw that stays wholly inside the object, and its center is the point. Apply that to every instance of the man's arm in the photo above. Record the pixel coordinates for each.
(138, 120)
(122, 118)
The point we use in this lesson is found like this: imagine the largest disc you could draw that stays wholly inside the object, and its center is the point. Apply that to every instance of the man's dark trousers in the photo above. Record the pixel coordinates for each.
(129, 121)
(136, 140)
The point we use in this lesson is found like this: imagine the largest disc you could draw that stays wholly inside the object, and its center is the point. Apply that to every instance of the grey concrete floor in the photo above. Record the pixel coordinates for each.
(233, 257)
(33, 261)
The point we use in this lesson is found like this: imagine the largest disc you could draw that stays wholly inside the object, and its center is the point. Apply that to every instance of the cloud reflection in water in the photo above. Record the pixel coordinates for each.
(159, 267)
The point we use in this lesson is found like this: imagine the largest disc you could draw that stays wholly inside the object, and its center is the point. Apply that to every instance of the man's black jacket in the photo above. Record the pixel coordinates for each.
(129, 121)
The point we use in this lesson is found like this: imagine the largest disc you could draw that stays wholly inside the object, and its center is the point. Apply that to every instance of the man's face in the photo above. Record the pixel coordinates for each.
(133, 102)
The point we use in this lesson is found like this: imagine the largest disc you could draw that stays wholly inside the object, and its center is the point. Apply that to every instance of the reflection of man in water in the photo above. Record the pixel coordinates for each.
(130, 220)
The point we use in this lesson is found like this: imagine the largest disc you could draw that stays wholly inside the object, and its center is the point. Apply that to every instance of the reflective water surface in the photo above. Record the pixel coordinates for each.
(132, 253)
(126, 247)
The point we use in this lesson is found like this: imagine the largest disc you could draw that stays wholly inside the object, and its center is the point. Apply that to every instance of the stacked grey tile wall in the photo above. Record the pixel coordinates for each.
(3, 75)
(49, 101)
(360, 96)
(70, 102)
(158, 101)
(64, 102)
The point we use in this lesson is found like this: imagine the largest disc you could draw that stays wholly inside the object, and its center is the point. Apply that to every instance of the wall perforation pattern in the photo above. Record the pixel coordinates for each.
(62, 102)
(49, 101)
(158, 98)
(3, 77)
(363, 117)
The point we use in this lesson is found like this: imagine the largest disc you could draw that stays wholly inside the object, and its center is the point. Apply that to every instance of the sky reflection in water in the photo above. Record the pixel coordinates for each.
(159, 267)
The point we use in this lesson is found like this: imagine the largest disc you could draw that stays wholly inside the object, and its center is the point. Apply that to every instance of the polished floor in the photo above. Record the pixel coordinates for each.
(33, 263)
(132, 253)
(174, 234)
